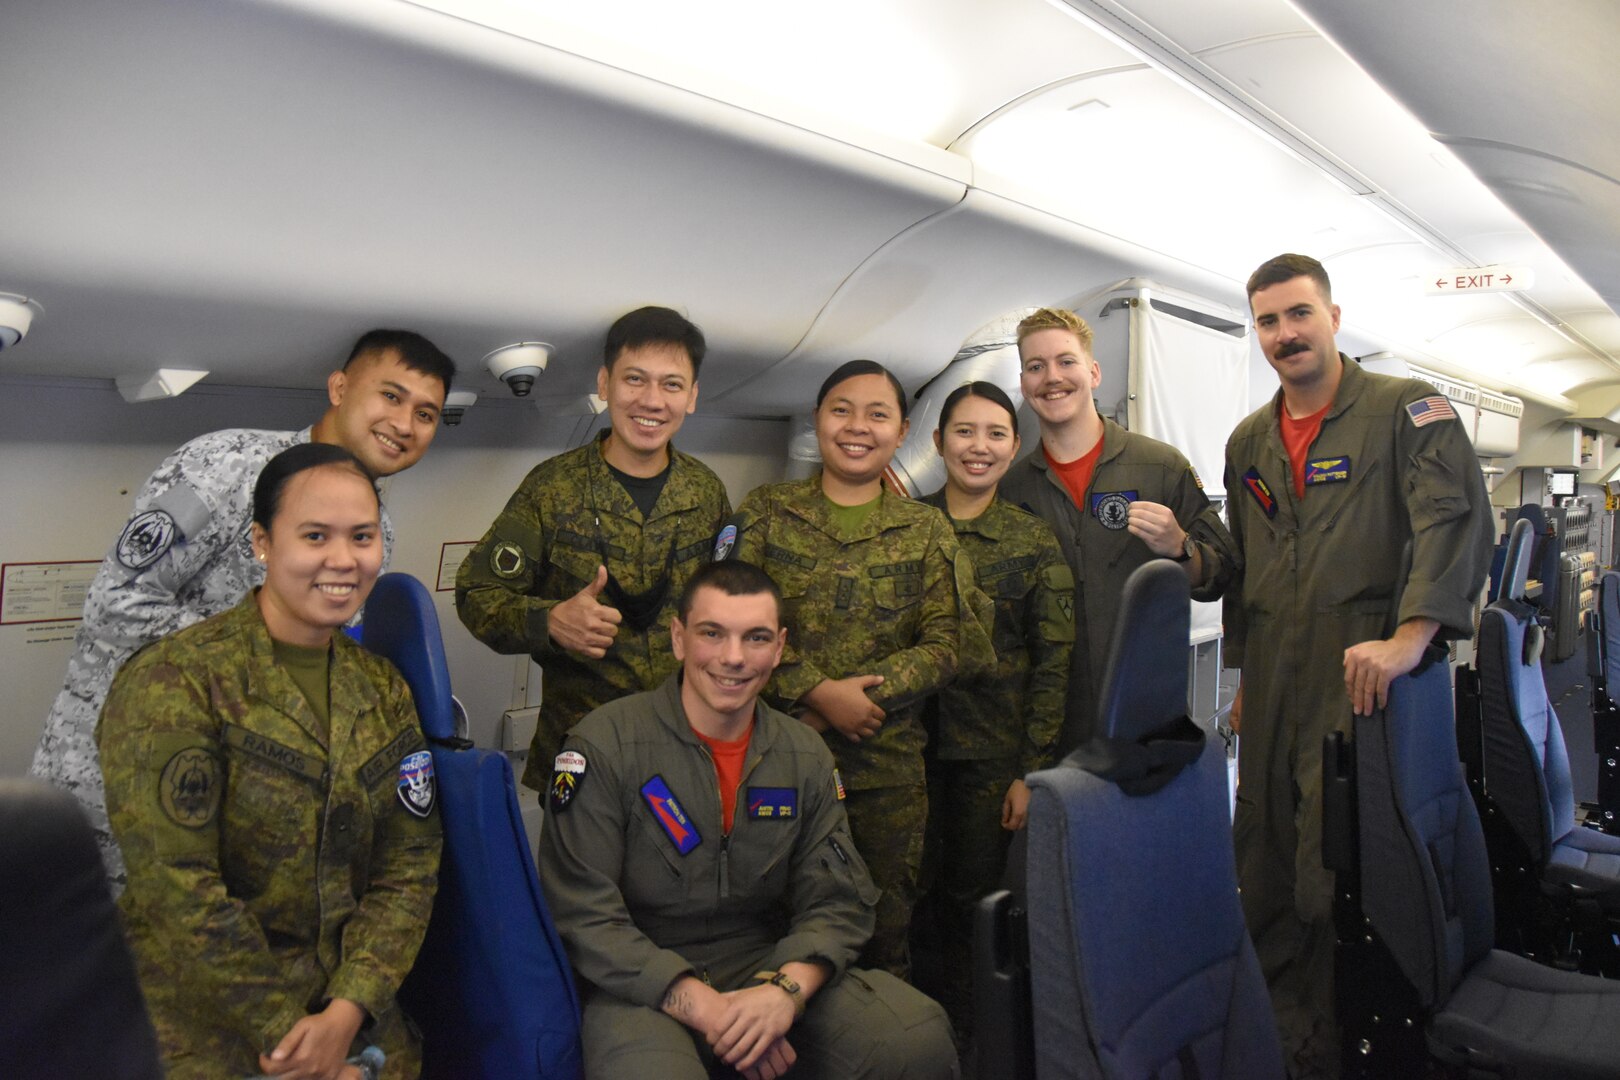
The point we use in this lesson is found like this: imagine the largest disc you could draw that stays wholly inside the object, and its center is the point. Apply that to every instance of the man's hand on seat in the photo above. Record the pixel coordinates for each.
(1370, 667)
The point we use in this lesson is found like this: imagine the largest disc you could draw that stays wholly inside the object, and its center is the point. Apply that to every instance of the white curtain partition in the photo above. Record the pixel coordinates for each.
(1189, 387)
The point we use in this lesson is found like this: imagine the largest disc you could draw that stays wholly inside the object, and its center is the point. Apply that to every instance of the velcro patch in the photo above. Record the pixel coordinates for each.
(416, 787)
(383, 761)
(506, 560)
(1113, 508)
(724, 543)
(146, 538)
(773, 803)
(567, 776)
(190, 788)
(1198, 480)
(838, 785)
(1257, 487)
(1334, 470)
(671, 818)
(271, 752)
(1428, 410)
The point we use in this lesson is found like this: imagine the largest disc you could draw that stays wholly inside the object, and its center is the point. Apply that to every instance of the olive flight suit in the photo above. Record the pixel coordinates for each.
(646, 887)
(894, 597)
(1391, 465)
(275, 862)
(569, 516)
(1102, 553)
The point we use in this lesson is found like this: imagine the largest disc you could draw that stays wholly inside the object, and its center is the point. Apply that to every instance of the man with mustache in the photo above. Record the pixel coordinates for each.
(1115, 499)
(1329, 482)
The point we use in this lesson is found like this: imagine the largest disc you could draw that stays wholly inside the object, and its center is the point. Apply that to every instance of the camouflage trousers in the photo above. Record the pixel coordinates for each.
(964, 857)
(887, 825)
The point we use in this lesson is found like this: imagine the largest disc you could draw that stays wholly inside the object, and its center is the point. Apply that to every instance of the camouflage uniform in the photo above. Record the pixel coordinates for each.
(1319, 576)
(185, 554)
(569, 516)
(644, 895)
(273, 864)
(886, 600)
(1102, 555)
(985, 732)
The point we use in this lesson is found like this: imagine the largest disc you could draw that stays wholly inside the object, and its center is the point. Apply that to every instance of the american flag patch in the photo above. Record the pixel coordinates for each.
(1428, 410)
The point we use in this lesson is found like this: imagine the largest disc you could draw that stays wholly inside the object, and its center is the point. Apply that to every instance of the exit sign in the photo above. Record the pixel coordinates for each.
(1479, 279)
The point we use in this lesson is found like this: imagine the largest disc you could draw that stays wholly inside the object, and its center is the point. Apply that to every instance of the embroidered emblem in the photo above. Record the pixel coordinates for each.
(1113, 508)
(1262, 494)
(189, 788)
(567, 775)
(676, 825)
(416, 783)
(838, 784)
(774, 803)
(1430, 409)
(506, 559)
(1199, 480)
(1327, 471)
(146, 538)
(724, 543)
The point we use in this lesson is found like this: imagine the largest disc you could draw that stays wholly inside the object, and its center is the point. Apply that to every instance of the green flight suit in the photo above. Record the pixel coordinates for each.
(884, 599)
(645, 887)
(569, 516)
(1102, 553)
(1389, 467)
(986, 731)
(274, 862)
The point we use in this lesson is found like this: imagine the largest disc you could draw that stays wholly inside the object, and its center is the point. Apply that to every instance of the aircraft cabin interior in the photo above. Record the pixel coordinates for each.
(203, 204)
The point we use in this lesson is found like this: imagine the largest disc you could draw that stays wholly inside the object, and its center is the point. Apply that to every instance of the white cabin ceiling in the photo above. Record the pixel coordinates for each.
(245, 187)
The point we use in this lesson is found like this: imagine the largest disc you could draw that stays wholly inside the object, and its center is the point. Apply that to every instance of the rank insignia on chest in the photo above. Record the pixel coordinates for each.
(1262, 493)
(1113, 508)
(773, 803)
(567, 776)
(416, 783)
(671, 818)
(1333, 470)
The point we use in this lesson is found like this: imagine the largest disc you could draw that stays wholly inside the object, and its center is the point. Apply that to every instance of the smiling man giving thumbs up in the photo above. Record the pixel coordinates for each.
(583, 568)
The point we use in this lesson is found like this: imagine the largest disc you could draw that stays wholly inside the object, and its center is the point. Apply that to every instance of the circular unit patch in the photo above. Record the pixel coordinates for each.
(506, 560)
(189, 788)
(1114, 510)
(144, 540)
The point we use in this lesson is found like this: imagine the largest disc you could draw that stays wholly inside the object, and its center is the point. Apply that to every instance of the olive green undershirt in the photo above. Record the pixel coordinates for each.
(310, 669)
(851, 519)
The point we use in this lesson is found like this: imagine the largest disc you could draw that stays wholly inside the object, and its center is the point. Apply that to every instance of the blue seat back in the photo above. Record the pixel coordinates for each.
(492, 989)
(1140, 962)
(1606, 636)
(1425, 877)
(1516, 567)
(1526, 764)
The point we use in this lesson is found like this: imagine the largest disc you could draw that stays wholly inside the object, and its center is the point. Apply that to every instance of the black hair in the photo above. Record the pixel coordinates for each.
(414, 351)
(289, 463)
(654, 326)
(732, 577)
(987, 390)
(853, 368)
(1281, 268)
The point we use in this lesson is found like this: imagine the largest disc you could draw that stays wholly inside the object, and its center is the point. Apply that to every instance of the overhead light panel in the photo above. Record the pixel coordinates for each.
(159, 384)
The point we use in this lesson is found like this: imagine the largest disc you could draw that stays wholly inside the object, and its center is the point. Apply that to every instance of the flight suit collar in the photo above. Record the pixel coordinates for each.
(812, 507)
(672, 714)
(611, 497)
(1352, 382)
(1113, 445)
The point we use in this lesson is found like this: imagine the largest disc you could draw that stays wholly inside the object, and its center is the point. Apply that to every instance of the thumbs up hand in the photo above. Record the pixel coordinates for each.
(582, 623)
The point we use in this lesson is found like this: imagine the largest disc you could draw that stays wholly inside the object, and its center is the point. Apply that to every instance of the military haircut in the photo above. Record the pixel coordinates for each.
(1055, 319)
(414, 351)
(732, 577)
(979, 388)
(1281, 268)
(653, 325)
(853, 368)
(273, 478)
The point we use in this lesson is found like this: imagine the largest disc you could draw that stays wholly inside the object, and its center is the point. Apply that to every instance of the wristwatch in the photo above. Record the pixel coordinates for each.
(788, 986)
(1188, 548)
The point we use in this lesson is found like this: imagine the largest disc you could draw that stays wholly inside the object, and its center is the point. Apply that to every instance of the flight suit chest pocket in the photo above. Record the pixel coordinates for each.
(897, 586)
(655, 872)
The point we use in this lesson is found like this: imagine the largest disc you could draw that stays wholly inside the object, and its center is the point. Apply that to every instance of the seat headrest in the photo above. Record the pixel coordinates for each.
(402, 625)
(1144, 685)
(1516, 569)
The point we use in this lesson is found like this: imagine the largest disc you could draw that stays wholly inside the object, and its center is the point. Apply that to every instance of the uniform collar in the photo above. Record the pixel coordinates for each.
(1113, 445)
(814, 508)
(611, 496)
(1352, 381)
(672, 714)
(992, 524)
(269, 682)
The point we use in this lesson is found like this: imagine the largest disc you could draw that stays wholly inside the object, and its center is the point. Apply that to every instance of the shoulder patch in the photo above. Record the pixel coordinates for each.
(1198, 480)
(1428, 410)
(190, 788)
(145, 539)
(725, 542)
(838, 784)
(567, 776)
(506, 560)
(416, 787)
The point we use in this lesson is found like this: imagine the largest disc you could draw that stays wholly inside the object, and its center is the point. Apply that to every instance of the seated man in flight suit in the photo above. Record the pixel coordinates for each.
(697, 860)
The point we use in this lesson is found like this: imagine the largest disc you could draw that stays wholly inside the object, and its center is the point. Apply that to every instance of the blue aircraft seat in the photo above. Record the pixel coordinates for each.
(492, 989)
(1419, 882)
(1140, 963)
(70, 1004)
(1603, 666)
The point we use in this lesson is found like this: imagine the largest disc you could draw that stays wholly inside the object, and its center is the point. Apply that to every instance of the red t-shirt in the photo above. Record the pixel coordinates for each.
(1076, 475)
(728, 770)
(1297, 436)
